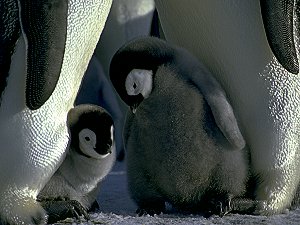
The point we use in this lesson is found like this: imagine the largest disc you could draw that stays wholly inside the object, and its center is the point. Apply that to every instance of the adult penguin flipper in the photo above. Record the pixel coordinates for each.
(279, 27)
(44, 25)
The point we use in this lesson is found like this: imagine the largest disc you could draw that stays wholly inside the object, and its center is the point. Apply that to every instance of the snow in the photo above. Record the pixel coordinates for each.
(116, 208)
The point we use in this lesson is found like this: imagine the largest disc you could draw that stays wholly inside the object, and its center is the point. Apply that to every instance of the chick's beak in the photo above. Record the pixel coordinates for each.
(137, 101)
(133, 108)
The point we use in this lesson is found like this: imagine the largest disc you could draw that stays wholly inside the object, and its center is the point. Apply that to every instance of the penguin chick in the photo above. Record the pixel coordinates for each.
(96, 89)
(91, 155)
(177, 136)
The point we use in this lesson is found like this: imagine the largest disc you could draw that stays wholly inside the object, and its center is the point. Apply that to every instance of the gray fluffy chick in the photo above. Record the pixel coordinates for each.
(182, 139)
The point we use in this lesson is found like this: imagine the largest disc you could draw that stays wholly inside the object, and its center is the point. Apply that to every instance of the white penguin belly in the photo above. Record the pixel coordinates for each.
(229, 38)
(33, 143)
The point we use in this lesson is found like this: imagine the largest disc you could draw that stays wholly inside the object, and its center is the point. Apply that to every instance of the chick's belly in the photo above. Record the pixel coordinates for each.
(177, 158)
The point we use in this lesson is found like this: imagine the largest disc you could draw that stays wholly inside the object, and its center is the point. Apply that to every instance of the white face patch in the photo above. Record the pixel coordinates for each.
(87, 143)
(139, 82)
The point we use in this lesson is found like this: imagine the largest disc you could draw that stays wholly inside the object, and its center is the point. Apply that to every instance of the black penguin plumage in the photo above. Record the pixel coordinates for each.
(279, 26)
(45, 51)
(9, 34)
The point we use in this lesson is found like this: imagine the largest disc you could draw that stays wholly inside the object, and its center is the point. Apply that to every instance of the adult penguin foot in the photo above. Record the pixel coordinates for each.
(60, 209)
(150, 211)
(224, 205)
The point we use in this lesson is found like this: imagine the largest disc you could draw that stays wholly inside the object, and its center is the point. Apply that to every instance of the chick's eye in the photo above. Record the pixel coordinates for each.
(87, 138)
(134, 85)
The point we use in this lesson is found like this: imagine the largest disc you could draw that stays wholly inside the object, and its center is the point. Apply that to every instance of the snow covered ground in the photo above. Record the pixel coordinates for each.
(118, 209)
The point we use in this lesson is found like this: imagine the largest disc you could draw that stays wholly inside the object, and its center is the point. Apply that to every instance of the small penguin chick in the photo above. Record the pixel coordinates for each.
(89, 159)
(177, 152)
(137, 75)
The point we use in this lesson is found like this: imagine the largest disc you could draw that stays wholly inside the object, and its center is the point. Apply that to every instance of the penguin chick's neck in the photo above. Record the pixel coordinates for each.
(139, 82)
(81, 172)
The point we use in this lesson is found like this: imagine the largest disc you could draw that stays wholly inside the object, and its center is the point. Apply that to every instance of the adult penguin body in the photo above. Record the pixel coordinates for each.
(45, 49)
(247, 45)
(181, 137)
(90, 157)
